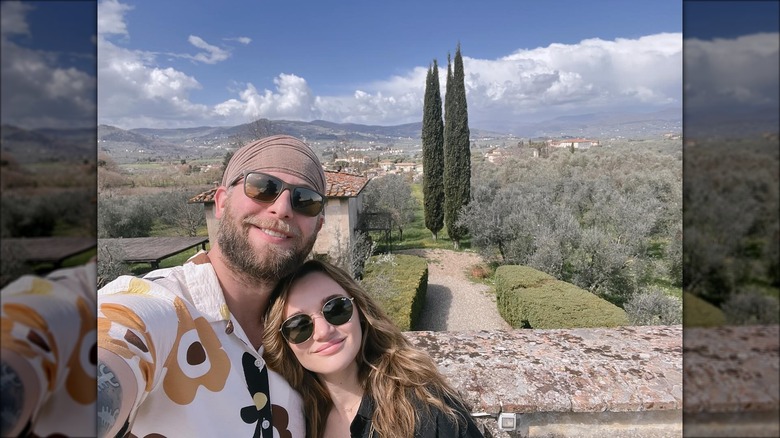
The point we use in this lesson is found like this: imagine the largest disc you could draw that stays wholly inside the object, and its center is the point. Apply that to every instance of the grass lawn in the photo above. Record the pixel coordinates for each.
(76, 260)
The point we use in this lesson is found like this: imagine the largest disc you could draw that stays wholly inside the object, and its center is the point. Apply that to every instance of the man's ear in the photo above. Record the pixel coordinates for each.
(220, 199)
(320, 222)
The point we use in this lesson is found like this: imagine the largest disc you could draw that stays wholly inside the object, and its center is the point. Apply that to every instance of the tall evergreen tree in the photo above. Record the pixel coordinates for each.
(457, 152)
(433, 153)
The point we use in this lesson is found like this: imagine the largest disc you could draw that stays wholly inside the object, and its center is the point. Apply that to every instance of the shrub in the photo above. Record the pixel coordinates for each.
(109, 262)
(590, 218)
(125, 217)
(361, 248)
(654, 307)
(480, 271)
(751, 307)
(25, 216)
(399, 284)
(528, 298)
(12, 264)
(171, 209)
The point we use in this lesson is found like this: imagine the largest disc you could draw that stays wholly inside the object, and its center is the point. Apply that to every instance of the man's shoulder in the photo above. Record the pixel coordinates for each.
(197, 265)
(167, 278)
(195, 282)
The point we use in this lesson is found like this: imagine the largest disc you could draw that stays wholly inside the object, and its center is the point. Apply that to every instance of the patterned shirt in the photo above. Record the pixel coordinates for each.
(50, 322)
(197, 372)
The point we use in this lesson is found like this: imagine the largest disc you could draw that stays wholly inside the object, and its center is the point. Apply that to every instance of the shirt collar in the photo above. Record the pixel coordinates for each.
(362, 421)
(204, 288)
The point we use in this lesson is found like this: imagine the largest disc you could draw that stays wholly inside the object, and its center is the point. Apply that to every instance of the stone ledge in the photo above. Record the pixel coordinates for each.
(624, 382)
(732, 369)
(574, 370)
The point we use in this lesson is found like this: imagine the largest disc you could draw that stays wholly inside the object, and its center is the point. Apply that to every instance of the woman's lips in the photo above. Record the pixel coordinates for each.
(331, 347)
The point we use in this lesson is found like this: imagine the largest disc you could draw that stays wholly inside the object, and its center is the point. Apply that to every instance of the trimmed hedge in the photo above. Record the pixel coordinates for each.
(399, 284)
(699, 313)
(528, 298)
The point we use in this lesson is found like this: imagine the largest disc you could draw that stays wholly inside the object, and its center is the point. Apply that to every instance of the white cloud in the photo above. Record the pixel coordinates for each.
(13, 19)
(37, 91)
(292, 100)
(212, 55)
(111, 17)
(594, 75)
(730, 73)
(242, 40)
(132, 91)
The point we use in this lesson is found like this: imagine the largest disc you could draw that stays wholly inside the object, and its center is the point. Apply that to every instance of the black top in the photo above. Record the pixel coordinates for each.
(433, 425)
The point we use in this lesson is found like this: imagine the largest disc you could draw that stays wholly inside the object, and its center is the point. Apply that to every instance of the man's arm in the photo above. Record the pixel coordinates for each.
(19, 393)
(116, 393)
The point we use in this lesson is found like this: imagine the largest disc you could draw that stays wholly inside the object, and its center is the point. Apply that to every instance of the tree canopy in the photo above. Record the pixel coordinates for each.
(433, 153)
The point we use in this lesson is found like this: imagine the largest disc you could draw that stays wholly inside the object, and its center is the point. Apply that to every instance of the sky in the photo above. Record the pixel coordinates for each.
(175, 64)
(731, 62)
(48, 52)
(183, 64)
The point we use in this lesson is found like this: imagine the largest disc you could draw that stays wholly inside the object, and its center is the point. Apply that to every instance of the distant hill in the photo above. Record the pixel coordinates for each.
(34, 146)
(318, 130)
(214, 141)
(731, 123)
(607, 125)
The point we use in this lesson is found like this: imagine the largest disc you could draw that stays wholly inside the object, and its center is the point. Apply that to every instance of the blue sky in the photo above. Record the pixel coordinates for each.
(709, 20)
(181, 64)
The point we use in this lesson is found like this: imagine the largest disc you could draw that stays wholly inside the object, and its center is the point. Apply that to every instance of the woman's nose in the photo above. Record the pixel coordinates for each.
(322, 328)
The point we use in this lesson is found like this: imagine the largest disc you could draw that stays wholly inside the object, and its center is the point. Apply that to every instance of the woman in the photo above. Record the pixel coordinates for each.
(358, 375)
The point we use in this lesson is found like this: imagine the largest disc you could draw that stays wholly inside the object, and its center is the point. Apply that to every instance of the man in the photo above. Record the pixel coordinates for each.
(180, 351)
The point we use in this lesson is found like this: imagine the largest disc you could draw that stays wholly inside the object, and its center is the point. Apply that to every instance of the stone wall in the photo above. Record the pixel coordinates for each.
(624, 382)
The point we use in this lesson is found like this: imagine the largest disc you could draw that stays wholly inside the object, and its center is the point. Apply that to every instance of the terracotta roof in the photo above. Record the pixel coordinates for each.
(339, 185)
(344, 185)
(207, 196)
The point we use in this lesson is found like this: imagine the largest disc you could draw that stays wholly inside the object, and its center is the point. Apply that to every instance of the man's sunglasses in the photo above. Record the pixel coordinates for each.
(266, 188)
(299, 328)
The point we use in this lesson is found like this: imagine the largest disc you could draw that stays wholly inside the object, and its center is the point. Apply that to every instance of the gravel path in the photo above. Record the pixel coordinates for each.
(453, 302)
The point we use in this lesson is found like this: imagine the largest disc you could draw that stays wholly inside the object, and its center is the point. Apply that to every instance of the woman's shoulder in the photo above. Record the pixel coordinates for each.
(433, 422)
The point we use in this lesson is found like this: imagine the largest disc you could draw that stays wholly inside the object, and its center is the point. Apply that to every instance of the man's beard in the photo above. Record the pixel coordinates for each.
(268, 265)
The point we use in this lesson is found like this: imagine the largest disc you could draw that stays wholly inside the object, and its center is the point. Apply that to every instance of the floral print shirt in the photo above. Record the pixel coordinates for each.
(197, 372)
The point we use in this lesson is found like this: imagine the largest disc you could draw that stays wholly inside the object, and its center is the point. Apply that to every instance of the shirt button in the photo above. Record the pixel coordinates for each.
(229, 327)
(259, 363)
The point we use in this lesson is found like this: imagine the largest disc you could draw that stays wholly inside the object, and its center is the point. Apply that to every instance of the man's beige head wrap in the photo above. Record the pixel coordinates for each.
(280, 153)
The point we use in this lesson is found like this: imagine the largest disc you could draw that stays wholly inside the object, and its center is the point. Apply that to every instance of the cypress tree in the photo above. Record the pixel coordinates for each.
(433, 153)
(457, 152)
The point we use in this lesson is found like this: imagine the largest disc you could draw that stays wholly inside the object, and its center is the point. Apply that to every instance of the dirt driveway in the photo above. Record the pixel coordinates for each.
(453, 302)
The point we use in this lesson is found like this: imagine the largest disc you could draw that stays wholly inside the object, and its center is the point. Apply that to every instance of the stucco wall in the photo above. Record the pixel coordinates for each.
(335, 232)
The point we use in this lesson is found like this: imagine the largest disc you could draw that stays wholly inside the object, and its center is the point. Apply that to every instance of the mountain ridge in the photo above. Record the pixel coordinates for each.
(322, 130)
(212, 141)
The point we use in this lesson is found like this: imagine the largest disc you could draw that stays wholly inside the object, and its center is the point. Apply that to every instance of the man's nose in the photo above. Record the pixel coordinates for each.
(282, 206)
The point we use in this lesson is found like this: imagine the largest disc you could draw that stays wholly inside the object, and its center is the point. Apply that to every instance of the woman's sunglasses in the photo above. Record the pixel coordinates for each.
(299, 328)
(266, 188)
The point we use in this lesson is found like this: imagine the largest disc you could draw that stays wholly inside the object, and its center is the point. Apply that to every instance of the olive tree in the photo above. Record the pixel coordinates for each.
(391, 194)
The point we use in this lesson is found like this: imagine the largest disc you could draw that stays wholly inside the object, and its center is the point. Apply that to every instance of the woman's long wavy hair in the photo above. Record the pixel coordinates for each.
(400, 378)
